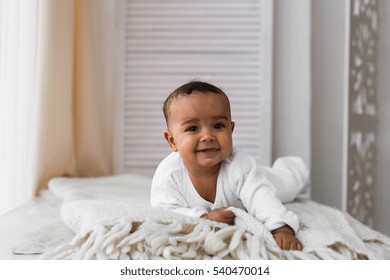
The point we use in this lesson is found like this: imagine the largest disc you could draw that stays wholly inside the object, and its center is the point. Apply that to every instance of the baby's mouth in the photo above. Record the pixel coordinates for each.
(209, 150)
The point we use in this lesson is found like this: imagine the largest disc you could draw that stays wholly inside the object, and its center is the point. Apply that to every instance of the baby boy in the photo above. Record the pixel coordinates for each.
(204, 175)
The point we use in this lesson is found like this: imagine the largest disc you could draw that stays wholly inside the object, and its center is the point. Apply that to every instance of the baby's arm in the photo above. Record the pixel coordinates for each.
(285, 238)
(169, 197)
(221, 215)
(258, 196)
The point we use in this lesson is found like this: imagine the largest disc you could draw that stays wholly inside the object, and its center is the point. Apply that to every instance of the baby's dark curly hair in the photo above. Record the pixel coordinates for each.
(189, 88)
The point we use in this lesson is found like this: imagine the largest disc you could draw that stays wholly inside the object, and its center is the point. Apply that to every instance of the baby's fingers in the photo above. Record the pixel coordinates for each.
(298, 246)
(229, 216)
(228, 213)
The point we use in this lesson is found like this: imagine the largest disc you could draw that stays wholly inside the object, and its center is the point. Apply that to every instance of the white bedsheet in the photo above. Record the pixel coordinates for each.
(37, 227)
(32, 229)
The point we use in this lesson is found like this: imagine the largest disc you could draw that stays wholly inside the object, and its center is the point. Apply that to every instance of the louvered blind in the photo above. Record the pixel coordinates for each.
(168, 43)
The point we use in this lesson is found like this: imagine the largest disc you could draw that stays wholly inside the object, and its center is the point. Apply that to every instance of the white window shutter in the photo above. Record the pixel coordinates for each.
(167, 43)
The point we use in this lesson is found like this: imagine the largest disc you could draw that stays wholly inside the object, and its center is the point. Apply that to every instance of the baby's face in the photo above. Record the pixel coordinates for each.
(200, 129)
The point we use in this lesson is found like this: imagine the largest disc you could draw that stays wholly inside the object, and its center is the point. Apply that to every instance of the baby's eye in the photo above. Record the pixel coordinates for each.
(219, 125)
(192, 129)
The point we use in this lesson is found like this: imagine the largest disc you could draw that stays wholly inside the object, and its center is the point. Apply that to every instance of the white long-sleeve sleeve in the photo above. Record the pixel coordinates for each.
(259, 195)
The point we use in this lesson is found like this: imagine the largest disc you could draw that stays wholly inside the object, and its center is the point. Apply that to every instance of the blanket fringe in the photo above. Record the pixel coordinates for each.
(162, 237)
(157, 239)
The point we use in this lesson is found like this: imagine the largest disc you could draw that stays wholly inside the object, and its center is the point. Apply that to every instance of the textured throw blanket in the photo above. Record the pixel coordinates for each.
(112, 219)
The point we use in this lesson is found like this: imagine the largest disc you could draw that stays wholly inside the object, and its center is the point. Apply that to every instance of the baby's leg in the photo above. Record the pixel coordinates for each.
(289, 175)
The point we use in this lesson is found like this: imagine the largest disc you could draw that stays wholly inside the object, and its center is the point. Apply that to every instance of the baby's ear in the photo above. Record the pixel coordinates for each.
(171, 141)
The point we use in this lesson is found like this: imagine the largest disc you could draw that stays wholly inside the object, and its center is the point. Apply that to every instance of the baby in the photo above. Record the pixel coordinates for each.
(204, 175)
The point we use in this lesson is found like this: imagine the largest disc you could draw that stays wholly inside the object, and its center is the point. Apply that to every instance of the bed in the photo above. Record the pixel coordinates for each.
(110, 218)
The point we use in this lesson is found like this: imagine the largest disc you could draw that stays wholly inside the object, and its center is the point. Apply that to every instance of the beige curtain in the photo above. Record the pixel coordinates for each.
(75, 86)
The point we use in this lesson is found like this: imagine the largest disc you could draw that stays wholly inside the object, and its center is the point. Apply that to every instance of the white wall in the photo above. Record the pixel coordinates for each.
(382, 193)
(291, 87)
(328, 104)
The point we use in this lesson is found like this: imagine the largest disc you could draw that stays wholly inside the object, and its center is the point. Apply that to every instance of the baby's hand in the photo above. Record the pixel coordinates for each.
(286, 239)
(220, 215)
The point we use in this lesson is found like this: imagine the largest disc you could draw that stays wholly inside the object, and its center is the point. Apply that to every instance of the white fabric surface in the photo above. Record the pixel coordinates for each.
(112, 223)
(33, 228)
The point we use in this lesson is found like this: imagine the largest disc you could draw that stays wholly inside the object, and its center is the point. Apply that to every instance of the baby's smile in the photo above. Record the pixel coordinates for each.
(207, 150)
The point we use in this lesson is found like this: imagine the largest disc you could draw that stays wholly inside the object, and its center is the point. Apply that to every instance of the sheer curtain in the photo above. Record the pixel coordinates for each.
(56, 77)
(17, 70)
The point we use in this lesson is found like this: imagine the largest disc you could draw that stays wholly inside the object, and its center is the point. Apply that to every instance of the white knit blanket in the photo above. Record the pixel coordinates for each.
(112, 219)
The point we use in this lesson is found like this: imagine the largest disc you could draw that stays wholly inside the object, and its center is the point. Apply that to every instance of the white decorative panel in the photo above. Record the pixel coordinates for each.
(363, 109)
(168, 43)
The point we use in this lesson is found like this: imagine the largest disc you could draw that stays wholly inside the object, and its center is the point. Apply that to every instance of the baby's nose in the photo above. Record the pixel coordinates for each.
(207, 135)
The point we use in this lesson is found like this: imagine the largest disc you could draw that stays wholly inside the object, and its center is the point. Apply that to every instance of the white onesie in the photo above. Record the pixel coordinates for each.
(241, 183)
